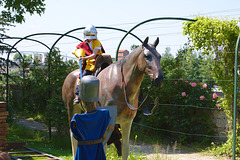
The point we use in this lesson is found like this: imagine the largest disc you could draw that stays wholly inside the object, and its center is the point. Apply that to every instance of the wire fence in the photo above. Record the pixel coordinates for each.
(177, 132)
(217, 108)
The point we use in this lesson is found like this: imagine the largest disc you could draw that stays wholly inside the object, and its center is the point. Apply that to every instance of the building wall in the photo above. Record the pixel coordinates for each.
(221, 126)
(122, 53)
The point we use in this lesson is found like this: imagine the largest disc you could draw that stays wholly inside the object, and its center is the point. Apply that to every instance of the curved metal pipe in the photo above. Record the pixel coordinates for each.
(149, 20)
(26, 37)
(235, 96)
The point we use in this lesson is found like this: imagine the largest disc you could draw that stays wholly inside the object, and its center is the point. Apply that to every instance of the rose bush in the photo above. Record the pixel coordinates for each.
(185, 107)
(180, 109)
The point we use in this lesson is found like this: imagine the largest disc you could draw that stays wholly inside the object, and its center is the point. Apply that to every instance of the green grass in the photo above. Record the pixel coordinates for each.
(59, 146)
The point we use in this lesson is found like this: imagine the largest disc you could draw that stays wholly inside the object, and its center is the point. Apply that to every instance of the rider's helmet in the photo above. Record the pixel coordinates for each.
(90, 32)
(89, 89)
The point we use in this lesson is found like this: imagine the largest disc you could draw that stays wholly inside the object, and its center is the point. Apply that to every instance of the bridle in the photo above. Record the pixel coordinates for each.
(124, 90)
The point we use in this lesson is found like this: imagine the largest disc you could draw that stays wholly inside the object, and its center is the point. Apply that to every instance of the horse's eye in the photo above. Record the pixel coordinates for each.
(147, 56)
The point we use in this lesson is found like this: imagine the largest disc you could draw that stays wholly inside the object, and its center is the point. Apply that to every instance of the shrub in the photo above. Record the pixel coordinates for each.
(185, 104)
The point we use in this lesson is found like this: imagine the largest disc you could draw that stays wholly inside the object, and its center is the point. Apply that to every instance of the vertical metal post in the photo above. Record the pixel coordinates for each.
(80, 67)
(235, 97)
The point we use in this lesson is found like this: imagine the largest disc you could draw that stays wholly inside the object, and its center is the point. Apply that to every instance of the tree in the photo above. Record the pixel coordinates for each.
(13, 11)
(133, 47)
(192, 64)
(218, 38)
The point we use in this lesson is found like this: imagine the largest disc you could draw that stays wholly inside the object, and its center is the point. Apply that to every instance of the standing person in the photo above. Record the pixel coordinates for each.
(89, 128)
(88, 50)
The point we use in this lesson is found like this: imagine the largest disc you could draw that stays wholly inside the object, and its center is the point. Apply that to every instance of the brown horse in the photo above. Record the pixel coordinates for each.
(119, 85)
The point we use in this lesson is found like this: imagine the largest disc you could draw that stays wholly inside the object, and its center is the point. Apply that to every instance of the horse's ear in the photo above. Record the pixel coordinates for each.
(156, 42)
(145, 42)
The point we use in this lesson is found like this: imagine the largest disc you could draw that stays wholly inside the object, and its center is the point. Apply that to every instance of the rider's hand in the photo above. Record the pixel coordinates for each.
(80, 58)
(73, 52)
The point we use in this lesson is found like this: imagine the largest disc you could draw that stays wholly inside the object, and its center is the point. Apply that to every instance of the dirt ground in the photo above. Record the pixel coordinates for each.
(185, 156)
(151, 151)
(168, 153)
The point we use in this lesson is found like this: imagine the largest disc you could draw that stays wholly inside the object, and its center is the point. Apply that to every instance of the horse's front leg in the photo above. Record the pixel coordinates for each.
(126, 128)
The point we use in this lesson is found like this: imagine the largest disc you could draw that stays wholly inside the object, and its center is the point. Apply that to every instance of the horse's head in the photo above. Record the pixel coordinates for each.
(149, 62)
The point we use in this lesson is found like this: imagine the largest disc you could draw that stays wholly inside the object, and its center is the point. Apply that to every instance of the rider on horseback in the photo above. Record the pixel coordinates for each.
(87, 51)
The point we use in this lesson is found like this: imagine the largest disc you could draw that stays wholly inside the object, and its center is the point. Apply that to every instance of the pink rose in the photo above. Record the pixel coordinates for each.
(186, 82)
(214, 95)
(204, 85)
(184, 94)
(175, 82)
(193, 84)
(202, 97)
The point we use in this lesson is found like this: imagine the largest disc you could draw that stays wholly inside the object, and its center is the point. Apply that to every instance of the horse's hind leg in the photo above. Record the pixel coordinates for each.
(74, 143)
(126, 128)
(75, 109)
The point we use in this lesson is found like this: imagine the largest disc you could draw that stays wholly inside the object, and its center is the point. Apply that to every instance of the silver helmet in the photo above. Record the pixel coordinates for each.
(90, 32)
(89, 89)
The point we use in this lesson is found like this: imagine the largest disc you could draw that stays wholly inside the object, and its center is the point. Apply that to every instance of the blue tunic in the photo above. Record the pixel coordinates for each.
(90, 126)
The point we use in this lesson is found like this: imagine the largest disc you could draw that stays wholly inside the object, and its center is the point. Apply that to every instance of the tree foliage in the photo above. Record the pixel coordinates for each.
(217, 37)
(13, 11)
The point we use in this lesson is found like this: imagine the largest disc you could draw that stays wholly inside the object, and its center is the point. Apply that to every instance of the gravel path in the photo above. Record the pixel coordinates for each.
(30, 123)
(157, 152)
(152, 151)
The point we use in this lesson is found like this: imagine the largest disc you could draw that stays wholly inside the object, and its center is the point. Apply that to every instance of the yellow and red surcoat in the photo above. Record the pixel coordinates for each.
(86, 48)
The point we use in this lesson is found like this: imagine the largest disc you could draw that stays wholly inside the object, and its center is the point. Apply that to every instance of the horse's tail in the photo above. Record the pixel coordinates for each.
(68, 91)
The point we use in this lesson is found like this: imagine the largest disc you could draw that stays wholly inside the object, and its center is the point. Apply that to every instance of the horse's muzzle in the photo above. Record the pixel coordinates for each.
(159, 81)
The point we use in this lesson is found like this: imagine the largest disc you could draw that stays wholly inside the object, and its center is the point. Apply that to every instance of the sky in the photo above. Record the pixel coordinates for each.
(62, 16)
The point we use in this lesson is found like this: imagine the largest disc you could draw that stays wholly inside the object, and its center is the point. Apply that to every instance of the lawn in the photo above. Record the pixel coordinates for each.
(59, 146)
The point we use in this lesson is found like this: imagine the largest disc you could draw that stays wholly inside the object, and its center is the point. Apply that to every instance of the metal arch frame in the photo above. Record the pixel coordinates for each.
(146, 21)
(76, 29)
(235, 96)
(26, 38)
(11, 47)
(101, 27)
(16, 51)
(34, 40)
(18, 67)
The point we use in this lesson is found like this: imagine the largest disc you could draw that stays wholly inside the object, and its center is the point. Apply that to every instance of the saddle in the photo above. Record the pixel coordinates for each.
(102, 61)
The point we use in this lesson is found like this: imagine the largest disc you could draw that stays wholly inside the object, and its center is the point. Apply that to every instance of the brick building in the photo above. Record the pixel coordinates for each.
(122, 53)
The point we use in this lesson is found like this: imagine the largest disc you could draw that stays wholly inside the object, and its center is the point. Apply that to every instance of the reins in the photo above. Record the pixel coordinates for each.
(124, 91)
